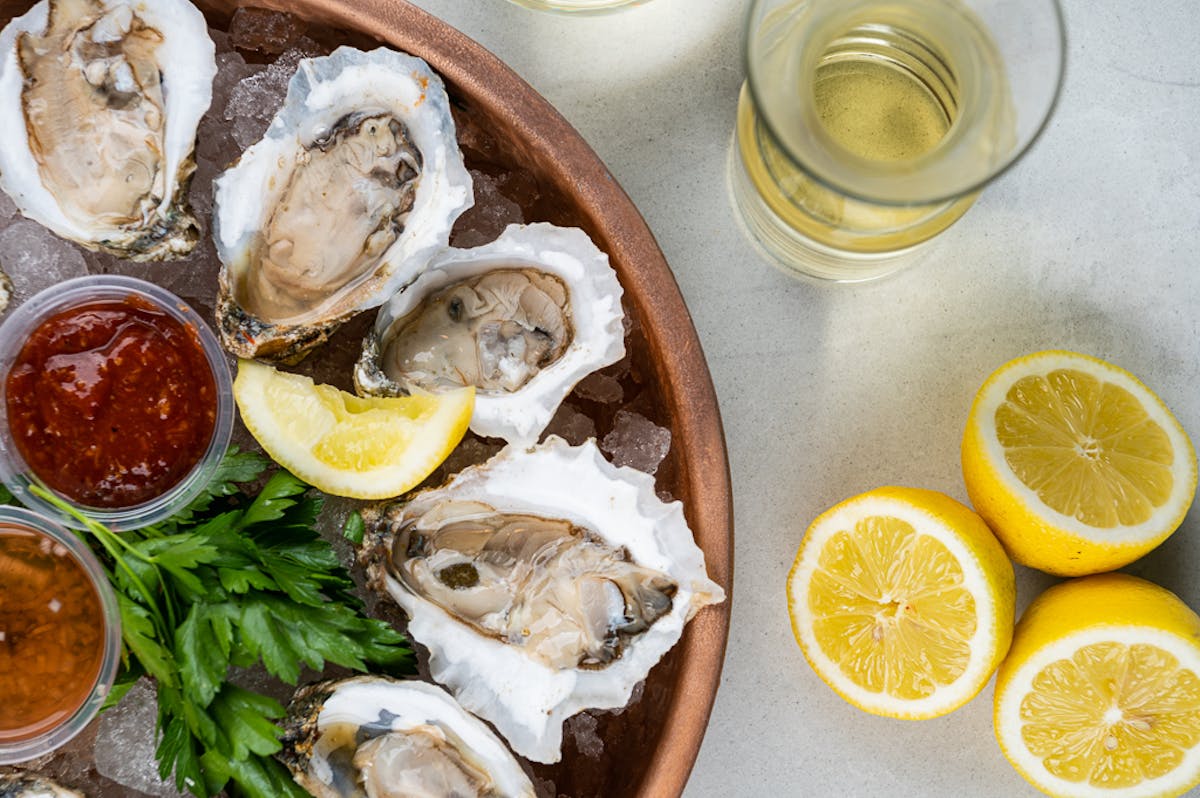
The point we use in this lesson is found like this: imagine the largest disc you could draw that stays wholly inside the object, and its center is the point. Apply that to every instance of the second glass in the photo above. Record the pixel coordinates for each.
(867, 127)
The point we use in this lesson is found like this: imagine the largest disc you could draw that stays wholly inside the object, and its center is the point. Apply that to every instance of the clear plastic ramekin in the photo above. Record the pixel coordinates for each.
(15, 471)
(31, 747)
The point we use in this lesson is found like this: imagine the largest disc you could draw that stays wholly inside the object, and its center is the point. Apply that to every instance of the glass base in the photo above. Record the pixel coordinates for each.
(794, 253)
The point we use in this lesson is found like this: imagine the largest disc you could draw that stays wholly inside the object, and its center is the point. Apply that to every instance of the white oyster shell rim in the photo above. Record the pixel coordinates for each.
(413, 704)
(321, 92)
(188, 62)
(598, 333)
(526, 700)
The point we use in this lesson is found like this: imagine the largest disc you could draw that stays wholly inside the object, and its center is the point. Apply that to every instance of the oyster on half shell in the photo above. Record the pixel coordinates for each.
(380, 738)
(354, 187)
(99, 105)
(523, 319)
(544, 582)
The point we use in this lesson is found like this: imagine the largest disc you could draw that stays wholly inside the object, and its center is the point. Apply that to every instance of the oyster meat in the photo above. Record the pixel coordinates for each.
(20, 784)
(543, 582)
(99, 105)
(354, 187)
(381, 738)
(523, 319)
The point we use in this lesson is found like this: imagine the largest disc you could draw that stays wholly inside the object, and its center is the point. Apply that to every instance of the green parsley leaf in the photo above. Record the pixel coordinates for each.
(354, 529)
(204, 647)
(141, 638)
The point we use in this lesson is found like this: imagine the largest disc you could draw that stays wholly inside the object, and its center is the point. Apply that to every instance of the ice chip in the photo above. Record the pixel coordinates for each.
(263, 30)
(583, 728)
(126, 742)
(8, 208)
(486, 220)
(600, 387)
(255, 99)
(637, 442)
(571, 425)
(36, 259)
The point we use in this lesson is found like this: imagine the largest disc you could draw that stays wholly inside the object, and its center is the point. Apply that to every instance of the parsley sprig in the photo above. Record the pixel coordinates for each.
(232, 580)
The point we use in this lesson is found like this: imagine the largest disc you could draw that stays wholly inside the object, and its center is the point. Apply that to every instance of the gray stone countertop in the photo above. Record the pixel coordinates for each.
(1089, 243)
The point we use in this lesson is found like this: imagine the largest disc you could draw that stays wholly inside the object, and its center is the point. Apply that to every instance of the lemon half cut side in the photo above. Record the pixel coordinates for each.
(1100, 694)
(1075, 464)
(346, 445)
(902, 601)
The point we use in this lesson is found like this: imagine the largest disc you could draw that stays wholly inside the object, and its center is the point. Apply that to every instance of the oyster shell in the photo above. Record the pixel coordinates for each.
(543, 582)
(354, 187)
(20, 784)
(523, 319)
(381, 738)
(99, 105)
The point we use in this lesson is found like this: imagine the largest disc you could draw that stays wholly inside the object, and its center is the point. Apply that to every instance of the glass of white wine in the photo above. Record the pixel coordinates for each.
(578, 6)
(867, 127)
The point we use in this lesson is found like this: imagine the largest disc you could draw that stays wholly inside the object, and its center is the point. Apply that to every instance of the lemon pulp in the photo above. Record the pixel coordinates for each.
(1087, 447)
(1113, 715)
(890, 608)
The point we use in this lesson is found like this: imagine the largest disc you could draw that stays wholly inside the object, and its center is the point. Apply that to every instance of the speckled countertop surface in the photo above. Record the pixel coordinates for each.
(1090, 243)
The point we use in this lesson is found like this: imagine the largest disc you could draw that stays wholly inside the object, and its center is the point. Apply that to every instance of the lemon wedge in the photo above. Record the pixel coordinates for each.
(1100, 693)
(1076, 466)
(347, 445)
(902, 601)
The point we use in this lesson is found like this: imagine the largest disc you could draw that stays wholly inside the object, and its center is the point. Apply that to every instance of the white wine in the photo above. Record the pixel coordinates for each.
(860, 120)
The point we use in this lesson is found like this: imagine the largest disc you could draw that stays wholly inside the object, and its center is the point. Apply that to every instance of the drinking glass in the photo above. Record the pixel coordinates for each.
(578, 6)
(867, 127)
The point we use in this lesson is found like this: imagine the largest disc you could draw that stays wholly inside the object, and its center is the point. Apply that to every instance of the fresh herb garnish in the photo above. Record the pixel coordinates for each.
(233, 580)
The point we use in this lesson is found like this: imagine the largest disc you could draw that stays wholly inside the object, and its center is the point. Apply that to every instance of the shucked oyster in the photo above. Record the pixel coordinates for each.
(543, 582)
(522, 319)
(354, 187)
(544, 585)
(19, 784)
(380, 738)
(99, 104)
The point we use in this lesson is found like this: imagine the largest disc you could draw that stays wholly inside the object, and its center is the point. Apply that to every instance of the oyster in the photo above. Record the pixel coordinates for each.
(543, 582)
(354, 187)
(20, 784)
(522, 319)
(380, 738)
(99, 104)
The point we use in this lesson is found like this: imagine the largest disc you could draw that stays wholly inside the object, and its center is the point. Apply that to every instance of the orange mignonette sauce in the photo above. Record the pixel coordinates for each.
(51, 633)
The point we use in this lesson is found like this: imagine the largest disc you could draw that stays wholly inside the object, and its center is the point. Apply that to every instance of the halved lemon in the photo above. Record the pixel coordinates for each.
(347, 445)
(1076, 466)
(902, 601)
(1100, 694)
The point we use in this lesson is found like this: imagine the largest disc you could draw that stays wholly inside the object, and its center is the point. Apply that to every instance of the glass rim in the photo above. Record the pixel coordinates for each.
(16, 474)
(975, 186)
(56, 737)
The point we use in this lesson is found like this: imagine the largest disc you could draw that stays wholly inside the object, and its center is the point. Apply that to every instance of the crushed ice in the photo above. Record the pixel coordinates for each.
(637, 442)
(126, 741)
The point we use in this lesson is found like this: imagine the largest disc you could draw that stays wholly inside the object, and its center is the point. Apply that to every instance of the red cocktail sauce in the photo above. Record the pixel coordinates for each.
(51, 633)
(111, 403)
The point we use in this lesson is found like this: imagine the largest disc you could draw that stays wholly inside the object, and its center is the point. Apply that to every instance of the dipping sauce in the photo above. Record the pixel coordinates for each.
(51, 633)
(111, 403)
